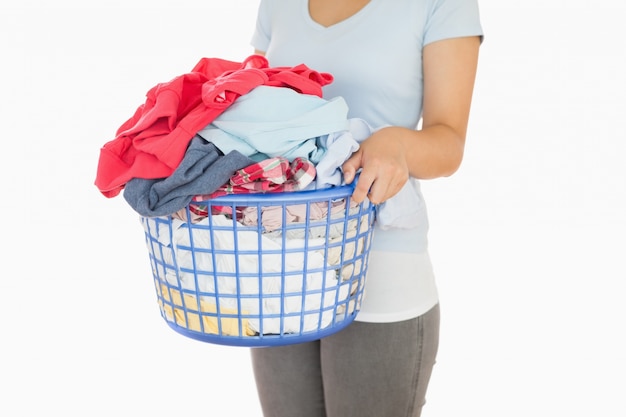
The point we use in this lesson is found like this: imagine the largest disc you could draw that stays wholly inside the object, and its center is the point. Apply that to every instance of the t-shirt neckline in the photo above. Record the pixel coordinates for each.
(348, 21)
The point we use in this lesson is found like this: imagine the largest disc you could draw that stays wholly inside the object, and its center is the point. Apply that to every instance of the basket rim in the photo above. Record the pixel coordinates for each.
(303, 196)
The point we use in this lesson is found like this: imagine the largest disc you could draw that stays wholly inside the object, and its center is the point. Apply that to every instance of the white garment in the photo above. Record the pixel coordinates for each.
(412, 297)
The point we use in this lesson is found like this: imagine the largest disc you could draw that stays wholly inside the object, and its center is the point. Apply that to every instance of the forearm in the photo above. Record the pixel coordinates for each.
(433, 152)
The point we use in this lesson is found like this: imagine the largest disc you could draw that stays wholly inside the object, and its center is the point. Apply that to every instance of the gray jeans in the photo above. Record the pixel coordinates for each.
(367, 369)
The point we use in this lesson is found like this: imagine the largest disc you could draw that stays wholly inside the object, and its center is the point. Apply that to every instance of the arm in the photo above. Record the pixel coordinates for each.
(393, 154)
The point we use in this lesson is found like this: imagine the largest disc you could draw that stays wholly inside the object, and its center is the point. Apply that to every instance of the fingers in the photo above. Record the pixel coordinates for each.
(379, 179)
(350, 167)
(381, 191)
(362, 188)
(378, 186)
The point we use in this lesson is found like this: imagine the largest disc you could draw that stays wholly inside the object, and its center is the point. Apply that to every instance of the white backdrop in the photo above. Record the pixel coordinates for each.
(527, 238)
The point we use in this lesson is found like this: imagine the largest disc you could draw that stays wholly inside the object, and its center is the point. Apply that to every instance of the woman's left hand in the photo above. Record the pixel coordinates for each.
(384, 169)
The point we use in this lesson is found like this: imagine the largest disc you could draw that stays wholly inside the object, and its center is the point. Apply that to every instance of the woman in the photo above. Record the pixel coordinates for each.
(407, 67)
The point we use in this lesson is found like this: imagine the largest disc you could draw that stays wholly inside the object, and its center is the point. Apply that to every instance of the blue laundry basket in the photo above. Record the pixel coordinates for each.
(262, 269)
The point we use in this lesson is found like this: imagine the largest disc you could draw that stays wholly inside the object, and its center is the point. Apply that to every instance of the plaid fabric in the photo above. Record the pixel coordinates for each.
(271, 175)
(273, 170)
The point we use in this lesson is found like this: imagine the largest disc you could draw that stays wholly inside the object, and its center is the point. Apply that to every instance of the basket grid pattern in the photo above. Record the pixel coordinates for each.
(225, 282)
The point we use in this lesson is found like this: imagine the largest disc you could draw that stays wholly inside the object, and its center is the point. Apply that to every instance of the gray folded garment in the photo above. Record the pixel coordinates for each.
(202, 171)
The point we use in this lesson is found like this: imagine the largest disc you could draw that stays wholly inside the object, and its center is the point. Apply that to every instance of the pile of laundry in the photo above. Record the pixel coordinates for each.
(241, 128)
(196, 131)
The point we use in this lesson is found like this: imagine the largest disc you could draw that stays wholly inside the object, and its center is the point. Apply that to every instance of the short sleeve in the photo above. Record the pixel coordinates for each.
(453, 19)
(261, 35)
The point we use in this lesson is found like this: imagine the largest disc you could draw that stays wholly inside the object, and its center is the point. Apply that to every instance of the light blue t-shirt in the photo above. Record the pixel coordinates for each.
(375, 57)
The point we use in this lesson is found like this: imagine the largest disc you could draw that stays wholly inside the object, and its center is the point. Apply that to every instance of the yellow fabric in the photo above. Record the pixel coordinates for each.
(185, 318)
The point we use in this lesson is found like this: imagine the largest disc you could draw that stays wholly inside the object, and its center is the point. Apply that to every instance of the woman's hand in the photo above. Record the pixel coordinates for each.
(384, 169)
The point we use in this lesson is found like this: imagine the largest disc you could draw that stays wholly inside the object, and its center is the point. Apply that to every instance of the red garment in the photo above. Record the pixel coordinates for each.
(152, 143)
